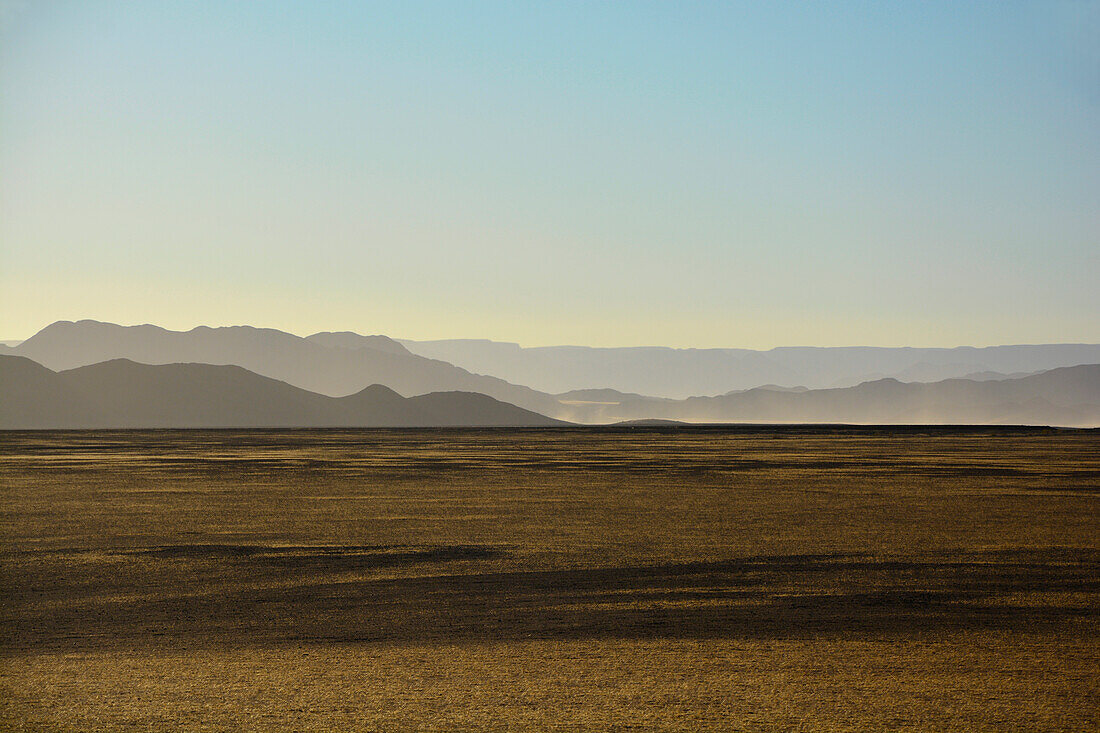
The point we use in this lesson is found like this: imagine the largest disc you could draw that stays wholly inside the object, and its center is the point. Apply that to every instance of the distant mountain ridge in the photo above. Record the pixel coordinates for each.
(333, 364)
(350, 340)
(342, 364)
(124, 394)
(682, 373)
(1067, 396)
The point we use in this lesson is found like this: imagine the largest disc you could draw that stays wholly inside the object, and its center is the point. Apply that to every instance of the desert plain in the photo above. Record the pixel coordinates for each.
(653, 578)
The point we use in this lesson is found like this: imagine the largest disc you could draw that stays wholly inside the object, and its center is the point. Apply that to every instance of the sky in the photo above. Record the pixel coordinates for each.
(691, 174)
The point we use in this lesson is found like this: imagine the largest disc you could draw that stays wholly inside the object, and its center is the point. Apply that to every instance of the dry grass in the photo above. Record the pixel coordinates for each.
(774, 578)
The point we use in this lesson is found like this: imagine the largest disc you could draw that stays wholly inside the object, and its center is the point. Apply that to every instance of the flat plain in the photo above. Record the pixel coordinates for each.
(658, 578)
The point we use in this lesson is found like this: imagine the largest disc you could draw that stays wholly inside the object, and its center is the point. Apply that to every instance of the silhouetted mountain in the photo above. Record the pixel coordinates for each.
(643, 370)
(349, 340)
(1069, 396)
(124, 394)
(350, 364)
(994, 376)
(771, 388)
(32, 396)
(597, 395)
(681, 373)
(344, 363)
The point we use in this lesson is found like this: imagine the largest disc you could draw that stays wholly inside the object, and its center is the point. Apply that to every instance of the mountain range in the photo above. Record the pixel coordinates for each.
(681, 373)
(333, 364)
(1067, 396)
(124, 394)
(253, 376)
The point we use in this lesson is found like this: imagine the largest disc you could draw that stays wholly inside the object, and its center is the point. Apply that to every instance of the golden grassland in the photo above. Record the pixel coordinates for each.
(659, 578)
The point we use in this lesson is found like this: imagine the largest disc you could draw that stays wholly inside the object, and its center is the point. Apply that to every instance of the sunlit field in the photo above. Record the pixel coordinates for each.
(770, 578)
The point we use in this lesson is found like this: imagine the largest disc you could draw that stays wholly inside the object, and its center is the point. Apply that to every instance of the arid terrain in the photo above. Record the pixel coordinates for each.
(664, 578)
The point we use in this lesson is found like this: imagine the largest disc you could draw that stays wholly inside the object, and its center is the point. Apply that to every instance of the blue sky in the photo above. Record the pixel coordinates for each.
(686, 174)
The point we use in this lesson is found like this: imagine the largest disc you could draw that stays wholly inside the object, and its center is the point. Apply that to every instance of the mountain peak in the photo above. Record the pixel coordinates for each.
(354, 341)
(377, 391)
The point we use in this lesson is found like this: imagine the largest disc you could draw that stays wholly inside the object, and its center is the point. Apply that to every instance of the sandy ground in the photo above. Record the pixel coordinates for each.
(666, 579)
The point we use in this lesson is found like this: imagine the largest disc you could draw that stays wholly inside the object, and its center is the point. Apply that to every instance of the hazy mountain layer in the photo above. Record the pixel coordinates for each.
(683, 373)
(125, 394)
(344, 363)
(1069, 396)
(333, 364)
(349, 340)
(122, 393)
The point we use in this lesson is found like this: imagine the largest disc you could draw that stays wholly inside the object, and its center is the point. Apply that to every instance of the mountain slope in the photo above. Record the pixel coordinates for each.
(124, 394)
(32, 396)
(129, 394)
(347, 365)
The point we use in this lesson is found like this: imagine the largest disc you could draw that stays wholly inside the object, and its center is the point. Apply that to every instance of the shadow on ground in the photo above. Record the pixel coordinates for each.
(260, 595)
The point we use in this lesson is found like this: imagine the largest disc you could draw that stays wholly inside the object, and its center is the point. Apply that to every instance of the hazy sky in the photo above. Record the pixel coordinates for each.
(620, 173)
